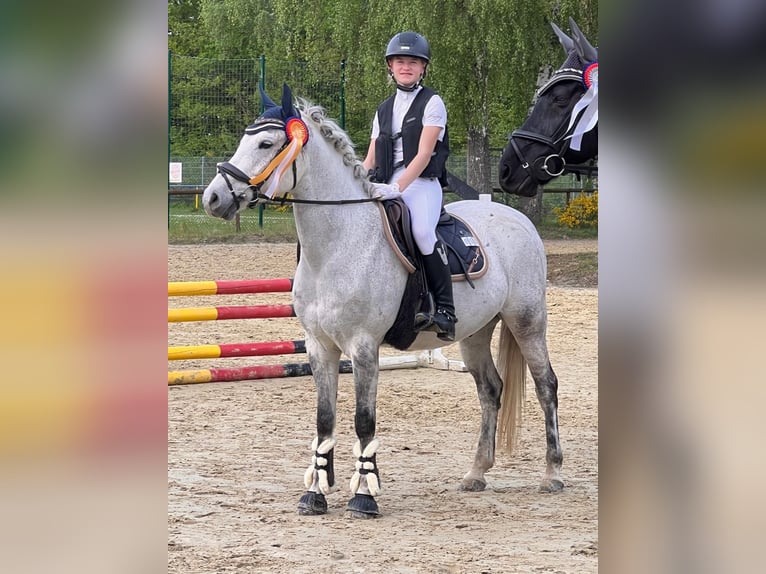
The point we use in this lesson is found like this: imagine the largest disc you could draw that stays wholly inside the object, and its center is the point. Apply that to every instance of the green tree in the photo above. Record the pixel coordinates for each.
(493, 51)
(240, 28)
(186, 35)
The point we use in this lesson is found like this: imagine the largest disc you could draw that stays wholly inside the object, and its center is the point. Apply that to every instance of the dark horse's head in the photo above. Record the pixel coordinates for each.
(562, 129)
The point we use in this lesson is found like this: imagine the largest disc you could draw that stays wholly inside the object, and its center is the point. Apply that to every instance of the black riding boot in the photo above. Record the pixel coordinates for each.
(440, 283)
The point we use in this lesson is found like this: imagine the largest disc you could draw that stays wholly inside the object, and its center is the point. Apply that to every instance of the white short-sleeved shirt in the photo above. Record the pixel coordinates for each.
(435, 114)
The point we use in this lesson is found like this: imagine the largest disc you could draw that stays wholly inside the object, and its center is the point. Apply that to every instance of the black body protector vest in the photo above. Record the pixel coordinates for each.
(412, 126)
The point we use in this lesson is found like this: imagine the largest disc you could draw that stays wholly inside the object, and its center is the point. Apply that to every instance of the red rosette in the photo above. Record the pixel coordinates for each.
(590, 75)
(297, 128)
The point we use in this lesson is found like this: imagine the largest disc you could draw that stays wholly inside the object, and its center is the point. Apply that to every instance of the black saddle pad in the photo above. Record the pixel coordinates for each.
(465, 253)
(464, 250)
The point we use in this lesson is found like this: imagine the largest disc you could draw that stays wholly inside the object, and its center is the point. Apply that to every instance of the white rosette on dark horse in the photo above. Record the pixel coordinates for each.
(587, 106)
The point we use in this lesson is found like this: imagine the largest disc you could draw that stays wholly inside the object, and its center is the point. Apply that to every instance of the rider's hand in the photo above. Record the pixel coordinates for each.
(385, 191)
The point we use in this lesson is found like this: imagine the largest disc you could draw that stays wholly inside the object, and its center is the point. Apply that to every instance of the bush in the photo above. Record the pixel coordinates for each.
(582, 211)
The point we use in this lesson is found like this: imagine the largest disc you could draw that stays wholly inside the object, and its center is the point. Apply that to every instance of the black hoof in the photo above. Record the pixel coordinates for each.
(312, 503)
(363, 506)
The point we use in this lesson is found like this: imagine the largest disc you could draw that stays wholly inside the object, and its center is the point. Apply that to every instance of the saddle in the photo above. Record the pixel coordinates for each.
(465, 255)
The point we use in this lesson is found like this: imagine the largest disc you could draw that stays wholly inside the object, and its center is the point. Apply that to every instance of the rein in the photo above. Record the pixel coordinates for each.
(283, 200)
(227, 168)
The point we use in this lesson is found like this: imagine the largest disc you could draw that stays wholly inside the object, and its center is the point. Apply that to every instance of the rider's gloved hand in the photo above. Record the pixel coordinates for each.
(385, 191)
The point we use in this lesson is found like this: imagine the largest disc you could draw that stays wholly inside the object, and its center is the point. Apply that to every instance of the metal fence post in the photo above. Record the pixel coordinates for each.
(169, 104)
(262, 81)
(343, 94)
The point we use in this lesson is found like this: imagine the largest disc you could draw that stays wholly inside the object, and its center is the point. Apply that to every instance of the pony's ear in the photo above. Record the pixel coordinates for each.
(288, 110)
(584, 48)
(267, 102)
(565, 40)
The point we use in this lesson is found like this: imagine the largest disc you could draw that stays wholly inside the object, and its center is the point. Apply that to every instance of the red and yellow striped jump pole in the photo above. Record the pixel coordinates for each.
(192, 288)
(236, 350)
(234, 312)
(247, 373)
(278, 371)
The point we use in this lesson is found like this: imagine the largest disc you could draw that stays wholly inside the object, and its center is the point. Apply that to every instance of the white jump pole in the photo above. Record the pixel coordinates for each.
(436, 360)
(403, 362)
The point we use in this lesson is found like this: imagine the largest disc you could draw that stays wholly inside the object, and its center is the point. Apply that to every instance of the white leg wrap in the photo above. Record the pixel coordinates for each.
(354, 483)
(371, 484)
(308, 476)
(315, 476)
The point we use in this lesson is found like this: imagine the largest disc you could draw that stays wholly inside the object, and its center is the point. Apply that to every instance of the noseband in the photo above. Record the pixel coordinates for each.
(539, 168)
(543, 169)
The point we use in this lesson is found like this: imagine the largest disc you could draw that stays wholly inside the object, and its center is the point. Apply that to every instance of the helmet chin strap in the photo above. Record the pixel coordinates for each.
(411, 88)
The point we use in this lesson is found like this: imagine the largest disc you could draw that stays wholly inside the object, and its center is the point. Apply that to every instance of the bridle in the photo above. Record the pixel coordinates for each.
(543, 169)
(229, 170)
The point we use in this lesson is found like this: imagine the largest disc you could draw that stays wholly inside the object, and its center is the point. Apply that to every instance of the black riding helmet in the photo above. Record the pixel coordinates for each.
(409, 44)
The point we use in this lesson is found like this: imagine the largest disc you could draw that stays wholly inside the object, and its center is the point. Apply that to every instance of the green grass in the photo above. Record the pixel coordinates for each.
(550, 228)
(190, 225)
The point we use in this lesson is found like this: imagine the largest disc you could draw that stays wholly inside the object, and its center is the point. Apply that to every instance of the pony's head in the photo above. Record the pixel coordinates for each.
(562, 129)
(264, 163)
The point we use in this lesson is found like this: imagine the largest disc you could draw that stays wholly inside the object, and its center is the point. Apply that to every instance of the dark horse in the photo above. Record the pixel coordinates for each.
(561, 132)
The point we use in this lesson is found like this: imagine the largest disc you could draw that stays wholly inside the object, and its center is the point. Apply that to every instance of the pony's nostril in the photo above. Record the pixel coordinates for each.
(213, 199)
(505, 171)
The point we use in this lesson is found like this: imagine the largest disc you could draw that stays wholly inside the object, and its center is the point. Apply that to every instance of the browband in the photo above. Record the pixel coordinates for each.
(263, 126)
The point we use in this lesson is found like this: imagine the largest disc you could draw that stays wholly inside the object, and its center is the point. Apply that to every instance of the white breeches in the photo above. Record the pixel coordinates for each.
(423, 197)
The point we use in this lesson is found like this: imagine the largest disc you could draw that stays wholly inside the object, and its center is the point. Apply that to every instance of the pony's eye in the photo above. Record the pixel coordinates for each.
(265, 144)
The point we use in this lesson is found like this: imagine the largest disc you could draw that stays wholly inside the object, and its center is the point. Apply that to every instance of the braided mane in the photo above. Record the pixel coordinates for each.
(334, 134)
